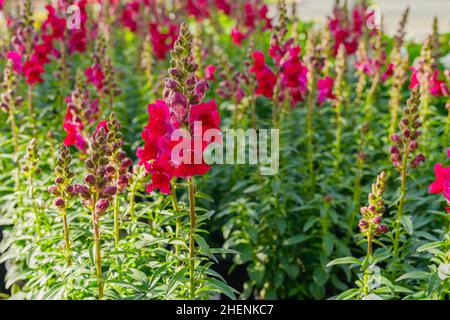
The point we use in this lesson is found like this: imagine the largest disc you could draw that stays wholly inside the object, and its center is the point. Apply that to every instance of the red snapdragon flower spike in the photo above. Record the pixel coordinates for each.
(129, 15)
(78, 36)
(263, 15)
(210, 71)
(237, 36)
(16, 58)
(95, 75)
(250, 15)
(198, 9)
(41, 52)
(345, 32)
(33, 71)
(388, 72)
(436, 87)
(325, 89)
(265, 77)
(294, 75)
(163, 41)
(74, 137)
(53, 25)
(224, 6)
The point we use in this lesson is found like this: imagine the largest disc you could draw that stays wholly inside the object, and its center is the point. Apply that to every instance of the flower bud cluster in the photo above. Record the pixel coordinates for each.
(405, 143)
(373, 212)
(31, 159)
(182, 88)
(63, 190)
(97, 190)
(8, 98)
(119, 163)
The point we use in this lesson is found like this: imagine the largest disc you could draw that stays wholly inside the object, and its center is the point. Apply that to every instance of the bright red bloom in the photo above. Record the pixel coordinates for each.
(198, 9)
(253, 13)
(263, 15)
(436, 87)
(207, 114)
(16, 58)
(102, 124)
(95, 75)
(41, 52)
(224, 6)
(265, 77)
(345, 32)
(237, 36)
(294, 75)
(414, 81)
(210, 71)
(388, 72)
(53, 25)
(442, 181)
(129, 15)
(33, 71)
(325, 89)
(74, 136)
(163, 42)
(1, 4)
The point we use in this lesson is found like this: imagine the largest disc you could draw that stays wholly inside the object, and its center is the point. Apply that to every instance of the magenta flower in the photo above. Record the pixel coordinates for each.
(325, 89)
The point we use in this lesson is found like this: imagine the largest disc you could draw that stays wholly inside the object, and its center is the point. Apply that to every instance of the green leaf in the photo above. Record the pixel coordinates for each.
(408, 224)
(253, 188)
(413, 275)
(296, 239)
(429, 246)
(345, 260)
(222, 287)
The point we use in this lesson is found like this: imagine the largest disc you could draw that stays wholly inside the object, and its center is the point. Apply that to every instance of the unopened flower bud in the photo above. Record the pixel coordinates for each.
(102, 205)
(90, 179)
(381, 229)
(54, 190)
(59, 202)
(376, 220)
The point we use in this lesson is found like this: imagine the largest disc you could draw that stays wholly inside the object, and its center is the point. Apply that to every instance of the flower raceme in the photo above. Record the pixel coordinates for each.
(162, 41)
(265, 77)
(170, 151)
(436, 87)
(53, 29)
(346, 32)
(255, 14)
(173, 145)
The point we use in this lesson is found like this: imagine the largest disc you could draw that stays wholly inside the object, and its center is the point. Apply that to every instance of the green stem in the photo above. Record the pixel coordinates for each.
(116, 220)
(31, 110)
(66, 236)
(98, 254)
(369, 260)
(356, 191)
(15, 136)
(309, 128)
(177, 211)
(193, 218)
(402, 199)
(395, 105)
(34, 205)
(338, 133)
